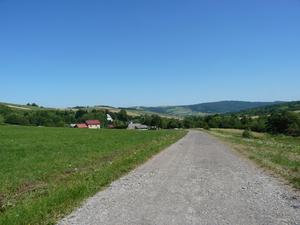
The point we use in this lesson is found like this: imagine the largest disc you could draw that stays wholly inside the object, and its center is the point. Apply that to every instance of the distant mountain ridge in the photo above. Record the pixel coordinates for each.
(206, 108)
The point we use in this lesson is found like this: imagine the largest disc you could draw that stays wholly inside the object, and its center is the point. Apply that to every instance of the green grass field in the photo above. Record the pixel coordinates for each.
(280, 154)
(46, 172)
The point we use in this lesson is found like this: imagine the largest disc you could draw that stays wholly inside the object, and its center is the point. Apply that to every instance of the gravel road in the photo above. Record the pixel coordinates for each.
(197, 180)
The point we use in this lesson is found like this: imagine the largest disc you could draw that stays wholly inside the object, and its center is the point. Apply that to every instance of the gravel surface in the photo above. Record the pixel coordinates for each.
(197, 180)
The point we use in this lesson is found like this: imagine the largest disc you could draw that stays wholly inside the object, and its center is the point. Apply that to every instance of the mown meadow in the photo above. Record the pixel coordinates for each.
(278, 153)
(46, 172)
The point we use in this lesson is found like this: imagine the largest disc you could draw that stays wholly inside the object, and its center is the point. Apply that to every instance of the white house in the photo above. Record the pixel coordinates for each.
(109, 118)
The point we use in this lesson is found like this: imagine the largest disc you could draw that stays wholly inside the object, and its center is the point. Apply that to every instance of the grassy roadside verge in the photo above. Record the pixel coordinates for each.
(280, 154)
(46, 172)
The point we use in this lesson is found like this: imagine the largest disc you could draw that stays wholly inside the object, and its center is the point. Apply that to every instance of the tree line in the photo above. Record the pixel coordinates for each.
(284, 122)
(63, 118)
(280, 122)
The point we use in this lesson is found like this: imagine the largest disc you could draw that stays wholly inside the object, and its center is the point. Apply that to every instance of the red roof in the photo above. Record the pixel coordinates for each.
(81, 125)
(92, 122)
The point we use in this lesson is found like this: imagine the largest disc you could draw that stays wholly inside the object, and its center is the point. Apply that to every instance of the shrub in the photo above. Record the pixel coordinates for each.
(17, 119)
(1, 119)
(206, 126)
(293, 130)
(284, 123)
(247, 134)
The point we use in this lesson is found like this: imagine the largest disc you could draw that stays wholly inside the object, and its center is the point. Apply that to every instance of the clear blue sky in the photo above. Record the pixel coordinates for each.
(148, 52)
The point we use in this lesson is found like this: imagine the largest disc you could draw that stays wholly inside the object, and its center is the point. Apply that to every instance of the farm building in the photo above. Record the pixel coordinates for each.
(137, 126)
(81, 125)
(91, 124)
(111, 126)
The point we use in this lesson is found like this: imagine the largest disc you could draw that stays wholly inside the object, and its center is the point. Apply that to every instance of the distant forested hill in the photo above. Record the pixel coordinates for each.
(206, 108)
(266, 110)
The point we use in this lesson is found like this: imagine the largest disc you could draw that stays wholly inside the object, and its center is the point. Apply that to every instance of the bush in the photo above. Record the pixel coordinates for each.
(247, 134)
(293, 130)
(206, 126)
(284, 123)
(1, 119)
(17, 119)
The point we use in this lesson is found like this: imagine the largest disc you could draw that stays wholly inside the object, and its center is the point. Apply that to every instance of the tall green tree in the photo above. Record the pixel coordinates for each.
(122, 115)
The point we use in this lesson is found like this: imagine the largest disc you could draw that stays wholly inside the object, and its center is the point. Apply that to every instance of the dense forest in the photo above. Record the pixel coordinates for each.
(206, 108)
(267, 110)
(280, 119)
(285, 122)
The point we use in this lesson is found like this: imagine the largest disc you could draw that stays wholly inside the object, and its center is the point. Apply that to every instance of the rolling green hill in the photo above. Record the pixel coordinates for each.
(206, 108)
(14, 106)
(220, 107)
(132, 111)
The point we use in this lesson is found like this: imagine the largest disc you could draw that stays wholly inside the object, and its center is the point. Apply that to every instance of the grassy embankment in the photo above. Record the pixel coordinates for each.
(280, 154)
(46, 172)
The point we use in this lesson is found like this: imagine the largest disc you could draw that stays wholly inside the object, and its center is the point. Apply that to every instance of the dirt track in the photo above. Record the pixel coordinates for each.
(197, 180)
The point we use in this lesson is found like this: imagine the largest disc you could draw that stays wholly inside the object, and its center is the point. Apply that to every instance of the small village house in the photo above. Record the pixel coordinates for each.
(91, 124)
(81, 125)
(137, 126)
(109, 118)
